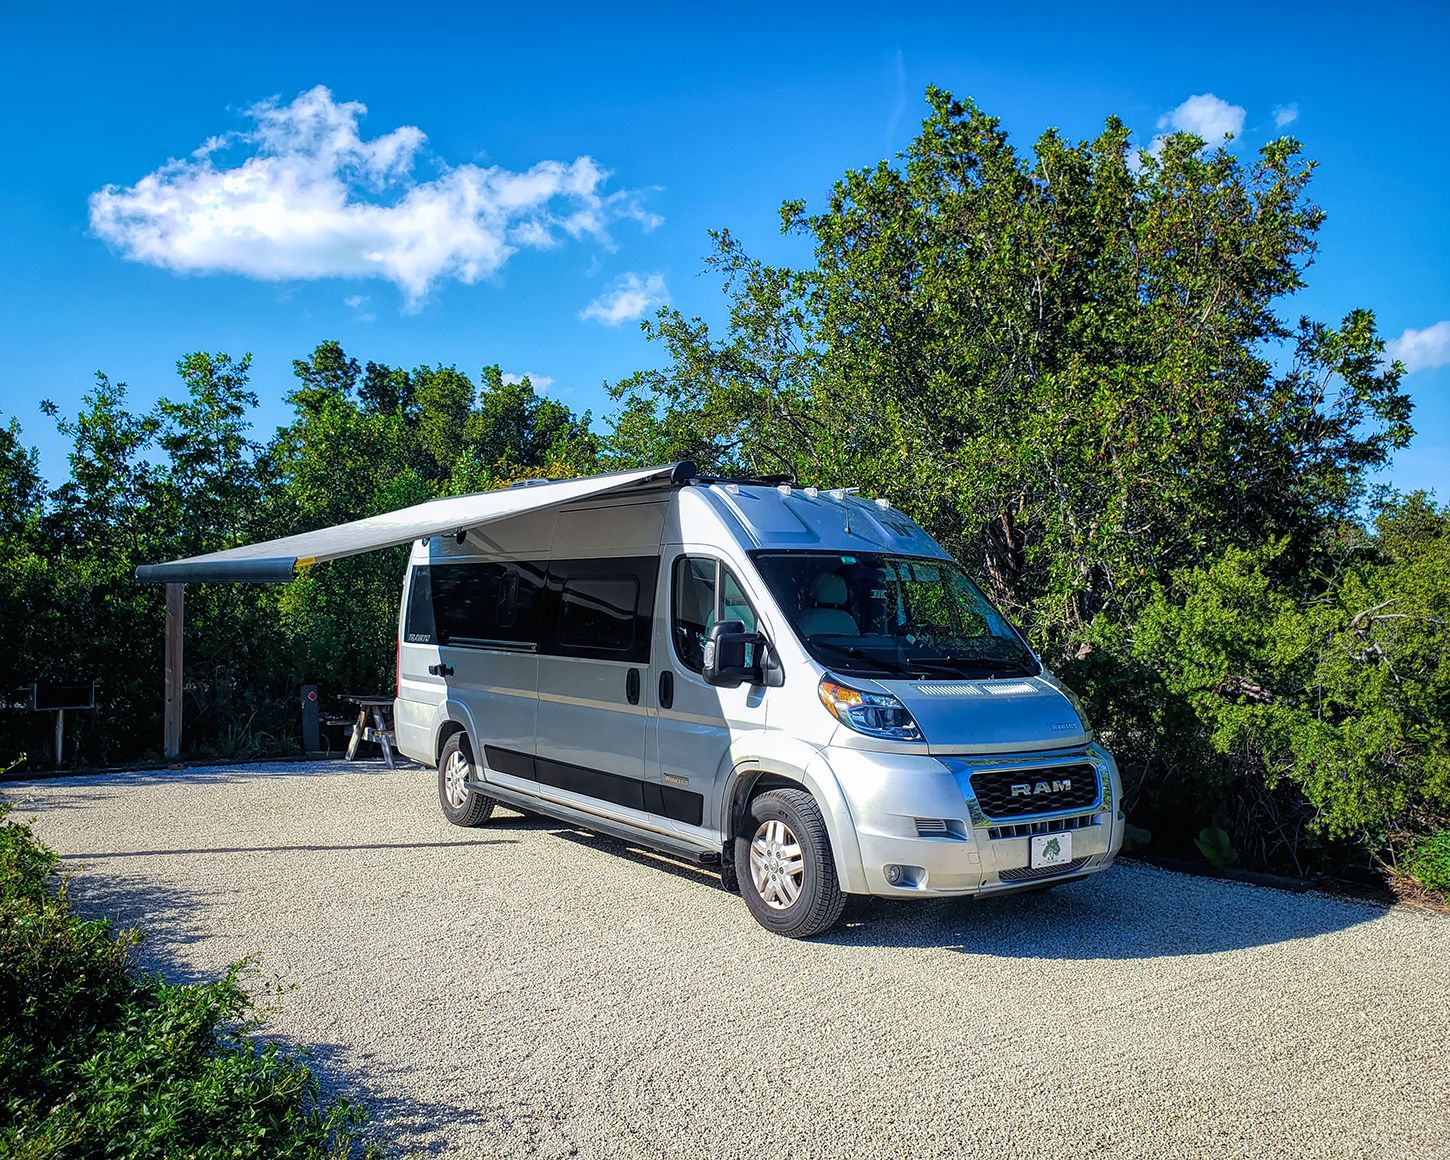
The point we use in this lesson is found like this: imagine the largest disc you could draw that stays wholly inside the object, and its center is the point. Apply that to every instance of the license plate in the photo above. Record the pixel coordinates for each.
(1051, 850)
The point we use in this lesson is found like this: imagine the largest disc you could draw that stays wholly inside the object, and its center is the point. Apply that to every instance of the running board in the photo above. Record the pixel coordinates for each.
(588, 821)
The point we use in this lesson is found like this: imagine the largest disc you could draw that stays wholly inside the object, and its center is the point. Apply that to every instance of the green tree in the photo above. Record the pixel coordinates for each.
(327, 374)
(1077, 367)
(1342, 690)
(1068, 365)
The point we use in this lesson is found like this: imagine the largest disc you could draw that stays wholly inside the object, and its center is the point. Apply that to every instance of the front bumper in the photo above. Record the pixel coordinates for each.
(922, 832)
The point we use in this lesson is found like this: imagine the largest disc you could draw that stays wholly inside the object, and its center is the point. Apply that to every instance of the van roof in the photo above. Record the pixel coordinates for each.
(802, 518)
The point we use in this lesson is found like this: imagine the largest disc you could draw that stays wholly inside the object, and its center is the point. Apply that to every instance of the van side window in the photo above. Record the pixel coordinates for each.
(598, 612)
(486, 604)
(694, 607)
(602, 609)
(418, 622)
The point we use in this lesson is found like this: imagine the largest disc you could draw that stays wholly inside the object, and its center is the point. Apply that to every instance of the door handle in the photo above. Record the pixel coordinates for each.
(441, 670)
(631, 686)
(667, 689)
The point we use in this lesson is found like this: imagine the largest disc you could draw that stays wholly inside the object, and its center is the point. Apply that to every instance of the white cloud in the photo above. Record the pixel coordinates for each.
(540, 382)
(1285, 115)
(1203, 115)
(629, 297)
(312, 199)
(1422, 350)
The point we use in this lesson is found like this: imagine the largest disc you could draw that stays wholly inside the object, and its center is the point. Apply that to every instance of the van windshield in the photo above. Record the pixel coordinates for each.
(884, 615)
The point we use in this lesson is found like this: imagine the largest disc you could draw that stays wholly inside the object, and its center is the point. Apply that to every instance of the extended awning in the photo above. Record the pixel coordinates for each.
(277, 561)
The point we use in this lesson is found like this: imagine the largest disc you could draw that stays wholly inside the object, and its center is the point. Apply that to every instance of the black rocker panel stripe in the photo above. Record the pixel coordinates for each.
(663, 800)
(509, 761)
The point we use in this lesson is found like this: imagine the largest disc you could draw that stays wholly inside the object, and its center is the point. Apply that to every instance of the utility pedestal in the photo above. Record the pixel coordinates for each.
(51, 698)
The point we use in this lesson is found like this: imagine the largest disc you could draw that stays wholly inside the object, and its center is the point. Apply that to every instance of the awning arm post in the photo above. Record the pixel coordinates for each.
(172, 724)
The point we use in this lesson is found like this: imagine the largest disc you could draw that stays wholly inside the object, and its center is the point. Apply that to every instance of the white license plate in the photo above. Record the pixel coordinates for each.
(1051, 850)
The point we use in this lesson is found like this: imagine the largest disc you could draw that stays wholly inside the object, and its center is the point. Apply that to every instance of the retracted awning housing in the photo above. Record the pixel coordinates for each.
(278, 561)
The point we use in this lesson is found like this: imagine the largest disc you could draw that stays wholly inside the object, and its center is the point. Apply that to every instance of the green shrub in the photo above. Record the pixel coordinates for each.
(1135, 838)
(97, 1059)
(1429, 862)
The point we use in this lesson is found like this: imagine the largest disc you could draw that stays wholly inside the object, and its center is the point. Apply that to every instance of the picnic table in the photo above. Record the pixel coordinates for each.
(378, 708)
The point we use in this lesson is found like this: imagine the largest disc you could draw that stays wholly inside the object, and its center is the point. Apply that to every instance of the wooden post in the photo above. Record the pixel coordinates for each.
(174, 618)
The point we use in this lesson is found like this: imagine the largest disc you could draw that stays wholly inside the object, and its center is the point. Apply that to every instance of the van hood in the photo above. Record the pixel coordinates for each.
(1003, 713)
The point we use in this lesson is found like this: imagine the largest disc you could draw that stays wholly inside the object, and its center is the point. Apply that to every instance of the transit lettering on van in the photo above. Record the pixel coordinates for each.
(798, 687)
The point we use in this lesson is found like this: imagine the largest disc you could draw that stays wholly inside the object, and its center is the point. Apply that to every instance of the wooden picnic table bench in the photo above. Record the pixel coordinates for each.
(379, 708)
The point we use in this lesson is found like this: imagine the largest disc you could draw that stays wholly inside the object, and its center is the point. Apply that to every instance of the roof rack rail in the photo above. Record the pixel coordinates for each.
(757, 480)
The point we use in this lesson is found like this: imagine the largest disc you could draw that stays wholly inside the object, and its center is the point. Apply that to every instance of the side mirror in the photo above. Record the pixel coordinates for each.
(732, 655)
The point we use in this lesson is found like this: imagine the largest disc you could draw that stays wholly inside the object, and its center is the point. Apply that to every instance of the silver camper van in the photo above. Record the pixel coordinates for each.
(798, 687)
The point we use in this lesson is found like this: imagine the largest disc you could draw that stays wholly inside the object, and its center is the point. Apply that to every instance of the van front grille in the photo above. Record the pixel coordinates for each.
(1050, 826)
(1027, 873)
(1022, 793)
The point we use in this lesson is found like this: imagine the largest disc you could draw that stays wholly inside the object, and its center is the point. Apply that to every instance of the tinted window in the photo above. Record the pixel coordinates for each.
(601, 608)
(694, 607)
(418, 623)
(484, 604)
(598, 612)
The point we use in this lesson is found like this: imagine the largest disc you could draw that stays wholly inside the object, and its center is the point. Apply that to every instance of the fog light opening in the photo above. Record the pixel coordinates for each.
(907, 877)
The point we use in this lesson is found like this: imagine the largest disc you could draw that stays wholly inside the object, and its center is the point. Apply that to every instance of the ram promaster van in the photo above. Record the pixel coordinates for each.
(798, 687)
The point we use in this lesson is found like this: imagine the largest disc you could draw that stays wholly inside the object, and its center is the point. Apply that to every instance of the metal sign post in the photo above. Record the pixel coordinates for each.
(50, 698)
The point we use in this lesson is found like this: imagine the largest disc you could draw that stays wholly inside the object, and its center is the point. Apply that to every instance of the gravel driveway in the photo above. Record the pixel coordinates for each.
(526, 989)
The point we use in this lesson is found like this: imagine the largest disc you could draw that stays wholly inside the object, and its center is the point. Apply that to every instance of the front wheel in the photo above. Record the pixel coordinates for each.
(462, 805)
(787, 874)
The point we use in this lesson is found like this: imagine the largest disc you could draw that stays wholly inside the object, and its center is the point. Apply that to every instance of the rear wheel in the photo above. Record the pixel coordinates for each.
(462, 805)
(787, 874)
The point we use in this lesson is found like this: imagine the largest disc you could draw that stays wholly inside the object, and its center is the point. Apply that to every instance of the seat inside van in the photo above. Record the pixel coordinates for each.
(827, 615)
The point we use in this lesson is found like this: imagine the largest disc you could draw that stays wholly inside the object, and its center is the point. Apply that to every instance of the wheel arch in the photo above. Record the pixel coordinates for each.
(453, 717)
(754, 774)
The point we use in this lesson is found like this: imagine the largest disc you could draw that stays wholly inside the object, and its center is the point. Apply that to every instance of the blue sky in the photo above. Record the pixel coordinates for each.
(580, 153)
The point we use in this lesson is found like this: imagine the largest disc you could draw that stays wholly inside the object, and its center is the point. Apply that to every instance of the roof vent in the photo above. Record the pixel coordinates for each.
(783, 488)
(813, 492)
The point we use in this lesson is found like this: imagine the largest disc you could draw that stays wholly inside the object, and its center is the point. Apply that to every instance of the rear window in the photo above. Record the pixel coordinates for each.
(418, 622)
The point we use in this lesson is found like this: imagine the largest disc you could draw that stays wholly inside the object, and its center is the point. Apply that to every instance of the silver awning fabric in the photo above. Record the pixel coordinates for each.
(277, 561)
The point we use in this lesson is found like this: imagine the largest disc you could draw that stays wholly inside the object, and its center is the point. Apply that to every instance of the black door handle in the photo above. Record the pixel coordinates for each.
(631, 686)
(441, 670)
(667, 689)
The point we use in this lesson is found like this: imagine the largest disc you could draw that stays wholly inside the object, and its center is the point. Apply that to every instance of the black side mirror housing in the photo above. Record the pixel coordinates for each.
(733, 656)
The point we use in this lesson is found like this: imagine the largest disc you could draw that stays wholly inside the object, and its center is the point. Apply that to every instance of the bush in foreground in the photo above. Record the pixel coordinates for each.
(1429, 862)
(97, 1059)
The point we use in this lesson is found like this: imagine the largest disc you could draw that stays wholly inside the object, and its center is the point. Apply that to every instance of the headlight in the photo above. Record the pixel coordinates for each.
(875, 714)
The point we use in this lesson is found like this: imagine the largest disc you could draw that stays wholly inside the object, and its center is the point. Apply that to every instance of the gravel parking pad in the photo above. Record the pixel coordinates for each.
(528, 989)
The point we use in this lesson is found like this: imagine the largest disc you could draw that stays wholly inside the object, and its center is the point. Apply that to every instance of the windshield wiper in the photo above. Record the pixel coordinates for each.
(861, 654)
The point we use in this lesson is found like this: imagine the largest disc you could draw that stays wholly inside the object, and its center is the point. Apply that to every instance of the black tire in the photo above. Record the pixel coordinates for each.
(468, 808)
(819, 902)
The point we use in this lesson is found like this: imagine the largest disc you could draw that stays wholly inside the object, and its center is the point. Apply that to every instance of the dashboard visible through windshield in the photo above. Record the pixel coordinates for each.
(893, 616)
